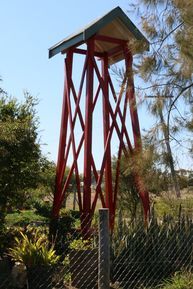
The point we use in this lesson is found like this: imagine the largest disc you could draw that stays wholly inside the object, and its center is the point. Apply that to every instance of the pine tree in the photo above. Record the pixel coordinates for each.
(168, 68)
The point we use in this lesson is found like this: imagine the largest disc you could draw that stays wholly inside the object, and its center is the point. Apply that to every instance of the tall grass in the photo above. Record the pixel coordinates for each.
(144, 257)
(181, 280)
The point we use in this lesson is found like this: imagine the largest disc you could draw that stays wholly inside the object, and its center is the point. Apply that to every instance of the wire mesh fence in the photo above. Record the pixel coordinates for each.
(143, 257)
(134, 257)
(77, 266)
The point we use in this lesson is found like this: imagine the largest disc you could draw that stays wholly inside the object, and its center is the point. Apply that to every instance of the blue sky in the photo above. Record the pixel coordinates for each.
(29, 28)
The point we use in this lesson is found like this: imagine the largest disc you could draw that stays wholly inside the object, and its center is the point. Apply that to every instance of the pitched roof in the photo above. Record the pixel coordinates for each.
(115, 24)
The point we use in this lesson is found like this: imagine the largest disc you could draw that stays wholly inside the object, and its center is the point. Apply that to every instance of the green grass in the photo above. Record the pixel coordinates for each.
(171, 206)
(23, 217)
(182, 280)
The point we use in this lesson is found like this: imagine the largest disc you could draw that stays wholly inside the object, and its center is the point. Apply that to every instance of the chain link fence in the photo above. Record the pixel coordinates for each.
(134, 257)
(143, 257)
(78, 264)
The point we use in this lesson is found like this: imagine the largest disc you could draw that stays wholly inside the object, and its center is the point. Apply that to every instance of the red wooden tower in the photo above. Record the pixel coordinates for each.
(100, 45)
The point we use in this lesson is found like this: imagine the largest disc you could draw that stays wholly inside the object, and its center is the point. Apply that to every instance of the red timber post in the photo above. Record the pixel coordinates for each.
(60, 168)
(62, 141)
(130, 92)
(87, 181)
(132, 101)
(106, 128)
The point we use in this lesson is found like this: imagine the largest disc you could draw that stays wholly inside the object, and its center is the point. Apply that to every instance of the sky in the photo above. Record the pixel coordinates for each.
(28, 29)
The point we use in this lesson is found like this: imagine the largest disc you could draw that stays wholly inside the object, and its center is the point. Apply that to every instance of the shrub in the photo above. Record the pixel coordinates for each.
(23, 218)
(33, 250)
(65, 231)
(181, 280)
(81, 244)
(43, 208)
(7, 238)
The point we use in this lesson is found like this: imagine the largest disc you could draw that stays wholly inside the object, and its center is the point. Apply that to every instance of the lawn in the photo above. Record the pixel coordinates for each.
(23, 217)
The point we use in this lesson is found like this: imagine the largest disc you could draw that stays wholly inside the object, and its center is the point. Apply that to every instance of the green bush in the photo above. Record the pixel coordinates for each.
(43, 208)
(170, 205)
(64, 231)
(7, 238)
(2, 232)
(75, 214)
(181, 280)
(23, 218)
(81, 244)
(33, 249)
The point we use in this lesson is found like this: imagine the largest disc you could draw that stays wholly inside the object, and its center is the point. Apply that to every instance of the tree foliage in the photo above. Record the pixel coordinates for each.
(19, 149)
(168, 67)
(167, 72)
(148, 165)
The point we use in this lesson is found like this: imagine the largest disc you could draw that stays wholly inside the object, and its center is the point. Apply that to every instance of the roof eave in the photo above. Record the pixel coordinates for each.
(65, 44)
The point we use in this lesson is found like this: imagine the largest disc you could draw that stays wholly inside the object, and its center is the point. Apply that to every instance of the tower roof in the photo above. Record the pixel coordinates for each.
(115, 25)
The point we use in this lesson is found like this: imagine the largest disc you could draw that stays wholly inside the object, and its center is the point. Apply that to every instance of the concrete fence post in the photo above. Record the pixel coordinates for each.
(104, 250)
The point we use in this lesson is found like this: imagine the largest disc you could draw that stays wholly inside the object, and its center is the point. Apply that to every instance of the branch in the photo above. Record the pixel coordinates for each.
(179, 142)
(161, 40)
(172, 31)
(174, 101)
(183, 118)
(158, 85)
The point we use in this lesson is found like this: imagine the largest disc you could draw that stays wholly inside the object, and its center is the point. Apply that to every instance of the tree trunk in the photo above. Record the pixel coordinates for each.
(170, 156)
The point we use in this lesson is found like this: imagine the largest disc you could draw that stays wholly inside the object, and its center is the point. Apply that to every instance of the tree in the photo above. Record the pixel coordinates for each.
(147, 164)
(46, 186)
(47, 176)
(163, 137)
(168, 69)
(19, 149)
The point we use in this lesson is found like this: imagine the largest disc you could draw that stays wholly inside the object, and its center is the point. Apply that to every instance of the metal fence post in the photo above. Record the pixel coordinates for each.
(104, 250)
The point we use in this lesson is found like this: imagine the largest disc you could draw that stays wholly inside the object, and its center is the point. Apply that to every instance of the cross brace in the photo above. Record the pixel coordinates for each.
(114, 110)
